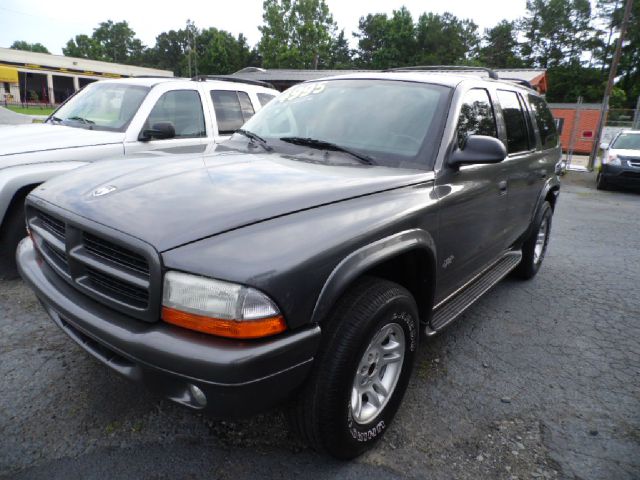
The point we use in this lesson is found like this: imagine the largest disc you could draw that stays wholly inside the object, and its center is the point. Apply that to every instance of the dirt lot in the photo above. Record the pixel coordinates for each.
(537, 380)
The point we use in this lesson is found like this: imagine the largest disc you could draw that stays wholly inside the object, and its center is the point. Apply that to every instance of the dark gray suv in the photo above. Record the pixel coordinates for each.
(303, 258)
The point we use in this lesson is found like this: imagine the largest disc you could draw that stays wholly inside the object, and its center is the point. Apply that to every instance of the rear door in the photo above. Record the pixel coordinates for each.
(472, 203)
(523, 172)
(232, 109)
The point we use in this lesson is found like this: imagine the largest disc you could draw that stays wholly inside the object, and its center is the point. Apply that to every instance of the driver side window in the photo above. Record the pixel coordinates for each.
(476, 116)
(183, 109)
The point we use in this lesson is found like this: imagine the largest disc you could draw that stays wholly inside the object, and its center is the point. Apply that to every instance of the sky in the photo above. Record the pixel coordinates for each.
(53, 22)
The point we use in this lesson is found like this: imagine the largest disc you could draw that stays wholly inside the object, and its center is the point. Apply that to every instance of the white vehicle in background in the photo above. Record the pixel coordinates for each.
(114, 119)
(620, 161)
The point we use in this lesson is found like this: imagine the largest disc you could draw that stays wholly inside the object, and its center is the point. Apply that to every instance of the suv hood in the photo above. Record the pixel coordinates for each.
(39, 137)
(168, 203)
(625, 152)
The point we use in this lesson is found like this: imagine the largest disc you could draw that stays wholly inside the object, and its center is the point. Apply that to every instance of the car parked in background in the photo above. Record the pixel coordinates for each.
(620, 161)
(301, 260)
(117, 119)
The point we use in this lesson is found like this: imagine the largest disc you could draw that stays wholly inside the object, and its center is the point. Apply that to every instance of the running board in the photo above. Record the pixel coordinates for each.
(447, 311)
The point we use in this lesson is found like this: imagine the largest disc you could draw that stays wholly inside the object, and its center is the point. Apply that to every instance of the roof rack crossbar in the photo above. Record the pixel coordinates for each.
(231, 78)
(445, 68)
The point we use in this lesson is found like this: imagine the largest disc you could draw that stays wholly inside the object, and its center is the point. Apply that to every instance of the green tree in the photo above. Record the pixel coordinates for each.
(500, 47)
(340, 55)
(31, 47)
(220, 53)
(446, 40)
(110, 42)
(296, 34)
(169, 52)
(557, 31)
(387, 42)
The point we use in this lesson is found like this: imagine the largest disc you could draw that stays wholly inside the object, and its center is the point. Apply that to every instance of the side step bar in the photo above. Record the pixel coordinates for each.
(448, 310)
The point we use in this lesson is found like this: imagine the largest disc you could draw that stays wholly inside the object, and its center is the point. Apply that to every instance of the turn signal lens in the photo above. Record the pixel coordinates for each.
(243, 329)
(219, 308)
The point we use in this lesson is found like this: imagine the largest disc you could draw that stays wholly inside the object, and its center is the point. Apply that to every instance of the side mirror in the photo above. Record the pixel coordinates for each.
(479, 149)
(158, 131)
(604, 145)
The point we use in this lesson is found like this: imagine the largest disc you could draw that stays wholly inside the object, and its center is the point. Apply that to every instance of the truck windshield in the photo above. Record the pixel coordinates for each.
(391, 123)
(630, 141)
(102, 106)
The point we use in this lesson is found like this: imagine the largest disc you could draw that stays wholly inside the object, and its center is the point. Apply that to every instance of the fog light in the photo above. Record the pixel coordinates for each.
(198, 395)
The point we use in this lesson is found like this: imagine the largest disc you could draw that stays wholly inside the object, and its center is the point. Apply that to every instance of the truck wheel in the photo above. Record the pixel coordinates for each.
(11, 232)
(535, 247)
(361, 371)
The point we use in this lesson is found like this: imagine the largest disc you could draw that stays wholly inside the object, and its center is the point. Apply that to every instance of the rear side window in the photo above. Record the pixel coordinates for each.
(265, 98)
(514, 119)
(183, 109)
(232, 108)
(545, 122)
(476, 116)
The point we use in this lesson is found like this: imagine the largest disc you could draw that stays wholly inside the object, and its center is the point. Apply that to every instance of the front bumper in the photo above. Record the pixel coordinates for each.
(237, 377)
(624, 175)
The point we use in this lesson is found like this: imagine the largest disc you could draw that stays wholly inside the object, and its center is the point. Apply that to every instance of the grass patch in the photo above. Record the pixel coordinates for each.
(31, 110)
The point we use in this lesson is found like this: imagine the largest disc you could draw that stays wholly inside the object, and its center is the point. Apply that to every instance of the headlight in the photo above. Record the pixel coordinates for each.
(219, 308)
(612, 159)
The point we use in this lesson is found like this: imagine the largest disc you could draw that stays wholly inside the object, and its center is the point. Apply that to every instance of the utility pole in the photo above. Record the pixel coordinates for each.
(607, 92)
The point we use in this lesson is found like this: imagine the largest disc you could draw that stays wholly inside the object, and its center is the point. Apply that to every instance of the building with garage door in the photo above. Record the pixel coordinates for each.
(51, 79)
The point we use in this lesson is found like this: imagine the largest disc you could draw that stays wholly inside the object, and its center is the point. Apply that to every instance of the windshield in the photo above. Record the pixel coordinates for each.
(392, 123)
(630, 141)
(102, 106)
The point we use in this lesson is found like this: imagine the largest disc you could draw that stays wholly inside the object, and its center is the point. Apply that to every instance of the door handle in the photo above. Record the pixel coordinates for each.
(502, 186)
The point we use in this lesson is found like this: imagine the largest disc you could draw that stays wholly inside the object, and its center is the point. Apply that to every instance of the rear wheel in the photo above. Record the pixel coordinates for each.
(11, 232)
(535, 247)
(362, 370)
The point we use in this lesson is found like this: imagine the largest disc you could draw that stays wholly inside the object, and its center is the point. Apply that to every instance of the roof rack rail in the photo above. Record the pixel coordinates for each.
(231, 78)
(445, 68)
(519, 81)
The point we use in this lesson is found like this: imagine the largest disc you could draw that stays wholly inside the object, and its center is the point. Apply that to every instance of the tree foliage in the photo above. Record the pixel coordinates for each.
(110, 42)
(573, 39)
(31, 47)
(296, 34)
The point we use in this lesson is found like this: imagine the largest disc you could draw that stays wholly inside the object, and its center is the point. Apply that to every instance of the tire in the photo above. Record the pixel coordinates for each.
(601, 183)
(323, 415)
(11, 232)
(531, 257)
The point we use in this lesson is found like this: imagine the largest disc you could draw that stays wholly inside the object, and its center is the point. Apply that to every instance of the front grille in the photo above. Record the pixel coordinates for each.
(106, 269)
(52, 225)
(115, 253)
(118, 289)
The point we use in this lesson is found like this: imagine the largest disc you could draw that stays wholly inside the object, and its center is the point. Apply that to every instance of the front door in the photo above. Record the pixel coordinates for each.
(181, 108)
(471, 232)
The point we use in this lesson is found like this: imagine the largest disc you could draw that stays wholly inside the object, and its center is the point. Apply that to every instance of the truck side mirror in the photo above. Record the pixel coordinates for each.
(158, 131)
(479, 149)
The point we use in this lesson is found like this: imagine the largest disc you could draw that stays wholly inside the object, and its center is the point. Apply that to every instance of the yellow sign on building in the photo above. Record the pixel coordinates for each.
(8, 74)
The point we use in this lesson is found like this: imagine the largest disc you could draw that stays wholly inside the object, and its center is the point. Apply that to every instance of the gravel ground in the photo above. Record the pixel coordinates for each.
(539, 379)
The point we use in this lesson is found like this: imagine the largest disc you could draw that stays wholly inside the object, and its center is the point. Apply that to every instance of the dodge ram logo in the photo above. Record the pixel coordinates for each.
(98, 192)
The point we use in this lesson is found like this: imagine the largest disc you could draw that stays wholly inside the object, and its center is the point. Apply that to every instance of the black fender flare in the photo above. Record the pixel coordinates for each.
(366, 257)
(551, 185)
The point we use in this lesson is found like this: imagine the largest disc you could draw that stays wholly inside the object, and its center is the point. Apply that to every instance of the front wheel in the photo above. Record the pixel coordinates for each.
(535, 246)
(601, 183)
(362, 370)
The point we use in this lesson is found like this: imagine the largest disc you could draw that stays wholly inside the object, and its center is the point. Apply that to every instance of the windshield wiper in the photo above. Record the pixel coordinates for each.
(255, 137)
(81, 119)
(314, 143)
(56, 119)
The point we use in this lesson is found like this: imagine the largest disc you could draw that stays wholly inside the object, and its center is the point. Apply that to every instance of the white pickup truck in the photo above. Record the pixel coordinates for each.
(114, 119)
